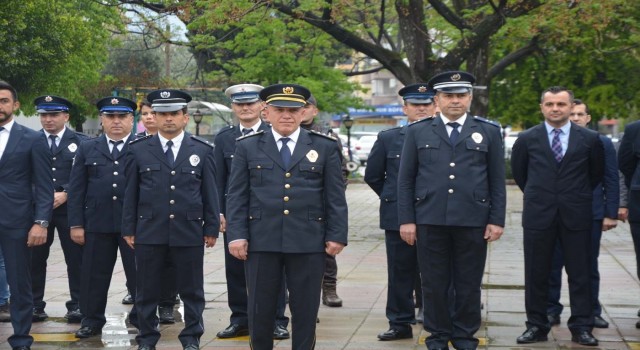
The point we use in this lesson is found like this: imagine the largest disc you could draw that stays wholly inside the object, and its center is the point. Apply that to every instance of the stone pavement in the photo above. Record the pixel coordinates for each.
(362, 286)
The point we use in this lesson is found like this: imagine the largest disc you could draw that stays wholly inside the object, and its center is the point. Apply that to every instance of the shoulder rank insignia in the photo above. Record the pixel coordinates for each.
(313, 132)
(259, 132)
(201, 140)
(140, 139)
(484, 120)
(421, 120)
(226, 129)
(394, 128)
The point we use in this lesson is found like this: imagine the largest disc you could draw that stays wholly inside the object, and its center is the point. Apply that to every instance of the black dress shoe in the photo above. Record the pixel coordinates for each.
(584, 338)
(234, 330)
(599, 322)
(532, 335)
(280, 332)
(554, 320)
(39, 315)
(128, 299)
(146, 347)
(21, 347)
(638, 324)
(73, 316)
(86, 332)
(192, 347)
(165, 315)
(395, 334)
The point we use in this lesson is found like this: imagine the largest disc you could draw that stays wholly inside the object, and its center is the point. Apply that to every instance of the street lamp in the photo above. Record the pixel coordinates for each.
(197, 118)
(348, 123)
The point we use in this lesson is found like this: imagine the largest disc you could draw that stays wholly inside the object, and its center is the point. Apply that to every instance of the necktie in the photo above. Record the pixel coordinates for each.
(246, 131)
(285, 152)
(115, 151)
(453, 137)
(53, 147)
(169, 153)
(556, 145)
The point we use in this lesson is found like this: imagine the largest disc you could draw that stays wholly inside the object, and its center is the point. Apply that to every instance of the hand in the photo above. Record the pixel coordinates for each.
(59, 198)
(493, 232)
(623, 214)
(131, 241)
(608, 224)
(239, 249)
(333, 248)
(209, 241)
(77, 235)
(408, 233)
(37, 236)
(223, 223)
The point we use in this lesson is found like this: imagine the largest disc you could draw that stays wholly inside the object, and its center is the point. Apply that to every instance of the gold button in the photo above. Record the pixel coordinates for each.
(287, 175)
(287, 186)
(452, 177)
(286, 212)
(54, 180)
(173, 172)
(115, 173)
(116, 162)
(259, 167)
(54, 158)
(452, 164)
(53, 169)
(95, 163)
(193, 172)
(115, 185)
(172, 202)
(115, 198)
(173, 187)
(286, 199)
(250, 217)
(451, 190)
(171, 216)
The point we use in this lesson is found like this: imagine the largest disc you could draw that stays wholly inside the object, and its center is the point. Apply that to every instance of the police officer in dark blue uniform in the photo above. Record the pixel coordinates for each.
(96, 193)
(170, 209)
(63, 144)
(451, 195)
(286, 209)
(381, 175)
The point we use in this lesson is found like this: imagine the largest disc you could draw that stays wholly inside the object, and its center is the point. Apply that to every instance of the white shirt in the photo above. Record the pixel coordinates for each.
(293, 139)
(4, 136)
(120, 145)
(254, 128)
(449, 128)
(58, 136)
(177, 142)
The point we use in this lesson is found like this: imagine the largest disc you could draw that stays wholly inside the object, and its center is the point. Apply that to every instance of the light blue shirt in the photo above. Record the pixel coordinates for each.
(564, 135)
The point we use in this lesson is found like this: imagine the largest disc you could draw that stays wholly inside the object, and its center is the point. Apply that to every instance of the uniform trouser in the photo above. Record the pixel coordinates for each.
(539, 246)
(303, 273)
(635, 235)
(169, 287)
(330, 271)
(129, 267)
(100, 253)
(451, 257)
(72, 257)
(555, 279)
(17, 258)
(402, 267)
(150, 263)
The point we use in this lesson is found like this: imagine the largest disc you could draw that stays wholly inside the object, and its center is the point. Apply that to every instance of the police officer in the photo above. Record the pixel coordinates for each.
(286, 208)
(451, 195)
(63, 144)
(381, 175)
(170, 210)
(96, 193)
(246, 106)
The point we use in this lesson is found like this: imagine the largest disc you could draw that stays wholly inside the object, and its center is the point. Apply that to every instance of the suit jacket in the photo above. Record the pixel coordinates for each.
(172, 205)
(628, 156)
(452, 185)
(292, 210)
(225, 142)
(551, 189)
(96, 188)
(26, 191)
(381, 174)
(606, 196)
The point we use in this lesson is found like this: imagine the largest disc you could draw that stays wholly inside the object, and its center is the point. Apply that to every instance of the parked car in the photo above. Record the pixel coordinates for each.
(363, 147)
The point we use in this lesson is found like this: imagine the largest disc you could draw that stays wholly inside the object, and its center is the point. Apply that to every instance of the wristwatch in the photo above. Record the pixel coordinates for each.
(42, 223)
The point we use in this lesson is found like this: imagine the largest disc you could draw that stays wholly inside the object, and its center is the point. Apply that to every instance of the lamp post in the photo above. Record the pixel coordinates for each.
(197, 118)
(348, 123)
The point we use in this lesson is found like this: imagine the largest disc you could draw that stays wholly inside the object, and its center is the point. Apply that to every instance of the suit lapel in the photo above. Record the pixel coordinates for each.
(65, 141)
(185, 150)
(155, 148)
(468, 128)
(270, 148)
(15, 136)
(302, 147)
(125, 147)
(439, 128)
(575, 135)
(103, 146)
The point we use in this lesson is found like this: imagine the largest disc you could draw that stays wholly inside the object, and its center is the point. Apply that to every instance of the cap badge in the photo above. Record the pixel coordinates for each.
(114, 101)
(312, 156)
(477, 137)
(287, 90)
(422, 89)
(48, 98)
(456, 77)
(72, 147)
(194, 160)
(165, 94)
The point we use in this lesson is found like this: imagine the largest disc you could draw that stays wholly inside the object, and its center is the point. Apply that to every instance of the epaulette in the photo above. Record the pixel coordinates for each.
(313, 132)
(225, 129)
(201, 140)
(394, 128)
(259, 132)
(491, 122)
(140, 139)
(422, 120)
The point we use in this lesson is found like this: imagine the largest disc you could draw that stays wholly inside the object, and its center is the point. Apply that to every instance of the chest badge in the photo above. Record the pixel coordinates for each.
(312, 156)
(477, 137)
(194, 160)
(72, 147)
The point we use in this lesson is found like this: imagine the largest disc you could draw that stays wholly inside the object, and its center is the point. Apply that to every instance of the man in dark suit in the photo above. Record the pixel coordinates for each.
(63, 144)
(26, 202)
(286, 208)
(606, 198)
(557, 165)
(96, 193)
(451, 190)
(246, 106)
(170, 210)
(381, 175)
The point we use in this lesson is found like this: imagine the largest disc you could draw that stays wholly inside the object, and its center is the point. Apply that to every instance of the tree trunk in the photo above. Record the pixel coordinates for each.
(478, 65)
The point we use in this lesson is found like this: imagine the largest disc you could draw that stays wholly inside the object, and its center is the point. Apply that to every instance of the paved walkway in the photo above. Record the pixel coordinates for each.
(362, 286)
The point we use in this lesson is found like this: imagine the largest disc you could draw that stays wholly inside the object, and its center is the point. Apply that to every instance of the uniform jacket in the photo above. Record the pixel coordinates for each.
(225, 142)
(96, 188)
(565, 190)
(26, 191)
(294, 210)
(381, 174)
(606, 196)
(176, 205)
(628, 156)
(329, 132)
(452, 185)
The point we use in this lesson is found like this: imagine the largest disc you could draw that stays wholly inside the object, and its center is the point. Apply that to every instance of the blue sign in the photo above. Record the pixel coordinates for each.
(378, 111)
